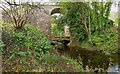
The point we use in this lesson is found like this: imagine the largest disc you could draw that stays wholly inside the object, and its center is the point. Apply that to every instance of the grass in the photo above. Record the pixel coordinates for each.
(54, 62)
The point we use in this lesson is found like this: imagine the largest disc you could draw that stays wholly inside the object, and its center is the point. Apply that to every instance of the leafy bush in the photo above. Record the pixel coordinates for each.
(107, 42)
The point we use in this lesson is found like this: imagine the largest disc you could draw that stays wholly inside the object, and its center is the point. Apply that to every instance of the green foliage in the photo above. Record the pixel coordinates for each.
(101, 19)
(31, 38)
(54, 62)
(96, 23)
(76, 13)
(25, 49)
(2, 43)
(57, 30)
(39, 39)
(116, 20)
(25, 44)
(106, 42)
(72, 19)
(50, 59)
(75, 65)
(22, 53)
(12, 57)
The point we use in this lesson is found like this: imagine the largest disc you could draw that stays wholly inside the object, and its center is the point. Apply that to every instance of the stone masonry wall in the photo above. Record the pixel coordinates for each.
(39, 19)
(42, 21)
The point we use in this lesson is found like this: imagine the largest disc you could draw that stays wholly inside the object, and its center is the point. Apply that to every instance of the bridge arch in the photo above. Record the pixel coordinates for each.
(55, 13)
(55, 10)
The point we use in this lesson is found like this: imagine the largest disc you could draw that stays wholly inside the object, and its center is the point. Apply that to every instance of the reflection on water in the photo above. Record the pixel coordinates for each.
(93, 61)
(113, 69)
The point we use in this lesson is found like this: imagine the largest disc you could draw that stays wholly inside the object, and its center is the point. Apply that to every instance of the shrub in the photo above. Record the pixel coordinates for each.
(106, 42)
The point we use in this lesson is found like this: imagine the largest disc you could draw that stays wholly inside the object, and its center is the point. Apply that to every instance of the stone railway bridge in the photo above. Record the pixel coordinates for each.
(40, 19)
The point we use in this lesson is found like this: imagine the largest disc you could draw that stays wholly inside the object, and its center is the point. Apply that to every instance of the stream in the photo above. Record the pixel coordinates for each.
(93, 61)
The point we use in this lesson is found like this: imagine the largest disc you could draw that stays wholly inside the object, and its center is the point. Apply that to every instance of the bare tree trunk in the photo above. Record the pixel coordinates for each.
(89, 37)
(88, 30)
(89, 33)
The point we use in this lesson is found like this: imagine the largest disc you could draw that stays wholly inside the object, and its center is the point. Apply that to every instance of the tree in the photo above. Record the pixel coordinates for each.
(79, 19)
(101, 11)
(84, 17)
(19, 11)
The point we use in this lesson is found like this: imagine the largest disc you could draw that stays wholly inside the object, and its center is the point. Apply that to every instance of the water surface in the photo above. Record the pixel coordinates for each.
(92, 60)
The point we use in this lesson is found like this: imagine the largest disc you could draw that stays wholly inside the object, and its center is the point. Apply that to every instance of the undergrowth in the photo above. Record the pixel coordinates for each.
(28, 50)
(54, 62)
(107, 42)
(22, 47)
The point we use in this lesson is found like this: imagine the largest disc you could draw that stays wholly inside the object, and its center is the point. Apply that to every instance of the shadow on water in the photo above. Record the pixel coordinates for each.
(90, 58)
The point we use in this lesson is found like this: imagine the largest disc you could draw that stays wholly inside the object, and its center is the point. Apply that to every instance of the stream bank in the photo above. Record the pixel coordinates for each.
(93, 61)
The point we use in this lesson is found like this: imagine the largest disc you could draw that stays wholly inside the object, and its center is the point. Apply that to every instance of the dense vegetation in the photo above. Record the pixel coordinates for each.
(26, 42)
(56, 30)
(90, 25)
(28, 50)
